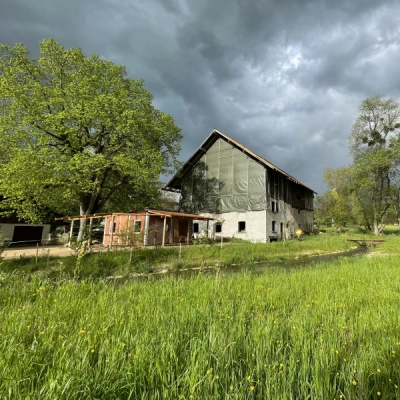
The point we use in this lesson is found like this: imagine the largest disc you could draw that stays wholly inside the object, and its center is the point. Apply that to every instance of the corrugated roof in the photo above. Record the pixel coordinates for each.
(175, 182)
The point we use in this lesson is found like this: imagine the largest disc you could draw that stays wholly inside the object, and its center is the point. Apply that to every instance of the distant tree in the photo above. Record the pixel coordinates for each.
(374, 146)
(77, 134)
(334, 206)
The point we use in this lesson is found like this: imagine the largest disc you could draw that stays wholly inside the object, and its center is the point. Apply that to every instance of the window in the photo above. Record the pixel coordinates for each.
(299, 210)
(274, 206)
(136, 226)
(112, 227)
(242, 226)
(273, 226)
(196, 227)
(281, 227)
(218, 227)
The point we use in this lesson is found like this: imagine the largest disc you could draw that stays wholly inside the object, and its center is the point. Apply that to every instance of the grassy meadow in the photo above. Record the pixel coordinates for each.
(324, 331)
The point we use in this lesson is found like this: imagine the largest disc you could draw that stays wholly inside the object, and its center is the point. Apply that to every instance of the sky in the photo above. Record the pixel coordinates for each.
(283, 77)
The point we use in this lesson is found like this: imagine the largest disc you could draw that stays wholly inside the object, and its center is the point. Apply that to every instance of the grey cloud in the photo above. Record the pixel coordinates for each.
(284, 77)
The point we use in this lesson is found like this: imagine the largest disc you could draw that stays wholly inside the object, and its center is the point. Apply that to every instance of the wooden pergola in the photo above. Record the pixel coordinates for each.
(163, 214)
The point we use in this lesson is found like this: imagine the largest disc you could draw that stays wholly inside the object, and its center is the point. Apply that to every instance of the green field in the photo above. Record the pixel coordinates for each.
(325, 331)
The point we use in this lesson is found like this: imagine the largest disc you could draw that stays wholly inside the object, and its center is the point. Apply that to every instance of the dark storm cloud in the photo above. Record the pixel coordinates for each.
(284, 78)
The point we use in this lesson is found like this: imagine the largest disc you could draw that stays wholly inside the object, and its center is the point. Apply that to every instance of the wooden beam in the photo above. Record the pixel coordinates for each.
(71, 231)
(112, 232)
(163, 234)
(90, 231)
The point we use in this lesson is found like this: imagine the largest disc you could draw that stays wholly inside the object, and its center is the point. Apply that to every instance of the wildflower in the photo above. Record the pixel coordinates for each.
(209, 371)
(252, 388)
(378, 370)
(248, 378)
(216, 377)
(354, 383)
(231, 387)
(378, 393)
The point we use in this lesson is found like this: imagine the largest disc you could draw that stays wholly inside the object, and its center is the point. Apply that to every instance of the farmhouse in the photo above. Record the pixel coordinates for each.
(247, 196)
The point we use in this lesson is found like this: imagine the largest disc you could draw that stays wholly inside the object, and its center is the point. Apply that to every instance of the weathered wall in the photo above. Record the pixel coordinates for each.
(122, 233)
(259, 226)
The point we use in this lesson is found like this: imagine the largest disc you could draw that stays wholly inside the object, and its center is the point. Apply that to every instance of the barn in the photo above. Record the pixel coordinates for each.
(247, 196)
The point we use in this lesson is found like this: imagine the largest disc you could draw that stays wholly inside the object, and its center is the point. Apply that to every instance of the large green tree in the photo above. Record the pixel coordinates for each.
(374, 146)
(77, 134)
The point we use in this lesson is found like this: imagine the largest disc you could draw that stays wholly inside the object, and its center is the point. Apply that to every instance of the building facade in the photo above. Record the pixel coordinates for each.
(247, 196)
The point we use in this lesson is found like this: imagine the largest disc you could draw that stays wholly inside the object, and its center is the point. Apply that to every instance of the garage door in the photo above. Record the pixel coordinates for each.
(27, 235)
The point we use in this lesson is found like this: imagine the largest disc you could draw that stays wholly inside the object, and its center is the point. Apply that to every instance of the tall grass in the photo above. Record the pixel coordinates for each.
(324, 332)
(144, 260)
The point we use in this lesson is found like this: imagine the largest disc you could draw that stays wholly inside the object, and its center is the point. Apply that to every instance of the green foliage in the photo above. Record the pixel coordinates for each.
(80, 135)
(335, 206)
(370, 188)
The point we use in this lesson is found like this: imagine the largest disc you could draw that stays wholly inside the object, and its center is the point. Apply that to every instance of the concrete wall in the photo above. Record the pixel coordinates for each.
(259, 224)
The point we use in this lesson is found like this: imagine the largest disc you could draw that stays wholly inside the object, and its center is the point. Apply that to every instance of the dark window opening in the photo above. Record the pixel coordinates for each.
(113, 227)
(196, 227)
(136, 226)
(273, 226)
(218, 228)
(242, 226)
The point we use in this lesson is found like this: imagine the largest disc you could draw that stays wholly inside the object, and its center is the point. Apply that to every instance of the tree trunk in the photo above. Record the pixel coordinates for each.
(376, 228)
(83, 225)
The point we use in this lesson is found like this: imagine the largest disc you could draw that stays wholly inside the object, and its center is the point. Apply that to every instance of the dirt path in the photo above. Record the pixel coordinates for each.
(17, 252)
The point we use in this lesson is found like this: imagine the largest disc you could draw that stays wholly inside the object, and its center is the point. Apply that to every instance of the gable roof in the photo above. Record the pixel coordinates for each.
(175, 183)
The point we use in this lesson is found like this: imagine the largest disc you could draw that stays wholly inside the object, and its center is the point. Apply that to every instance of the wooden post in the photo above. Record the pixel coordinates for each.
(71, 231)
(188, 232)
(172, 232)
(37, 253)
(164, 231)
(111, 228)
(90, 232)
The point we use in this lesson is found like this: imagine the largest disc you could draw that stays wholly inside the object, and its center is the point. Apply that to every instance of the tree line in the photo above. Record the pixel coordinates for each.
(367, 192)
